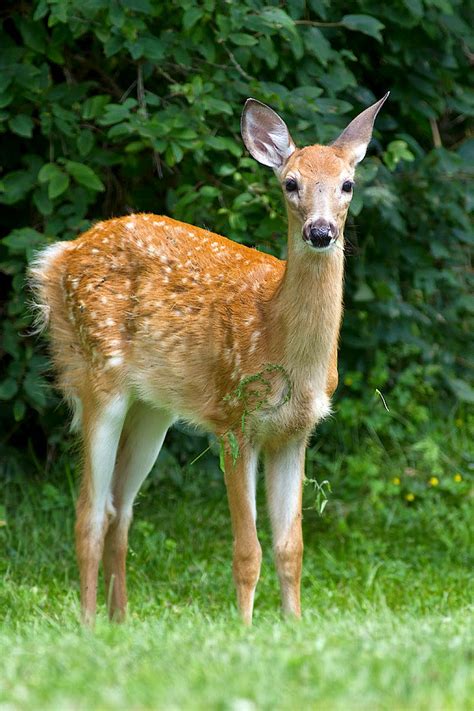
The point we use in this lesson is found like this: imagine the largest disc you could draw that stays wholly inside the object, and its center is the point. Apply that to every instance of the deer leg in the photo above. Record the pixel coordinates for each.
(240, 478)
(284, 481)
(142, 438)
(102, 428)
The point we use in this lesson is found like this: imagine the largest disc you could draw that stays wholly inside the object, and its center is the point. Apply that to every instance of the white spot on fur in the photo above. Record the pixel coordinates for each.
(130, 225)
(114, 361)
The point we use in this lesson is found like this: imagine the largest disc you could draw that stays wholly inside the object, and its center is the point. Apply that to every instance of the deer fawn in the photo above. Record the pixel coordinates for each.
(152, 320)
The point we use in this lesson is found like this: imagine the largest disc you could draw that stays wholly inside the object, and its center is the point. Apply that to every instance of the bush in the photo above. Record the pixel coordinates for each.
(134, 105)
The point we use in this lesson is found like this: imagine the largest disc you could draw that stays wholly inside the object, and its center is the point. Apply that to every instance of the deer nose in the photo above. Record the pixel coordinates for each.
(320, 233)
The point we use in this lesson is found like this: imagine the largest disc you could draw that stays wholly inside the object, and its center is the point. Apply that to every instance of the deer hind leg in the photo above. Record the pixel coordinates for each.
(284, 481)
(102, 426)
(241, 478)
(142, 437)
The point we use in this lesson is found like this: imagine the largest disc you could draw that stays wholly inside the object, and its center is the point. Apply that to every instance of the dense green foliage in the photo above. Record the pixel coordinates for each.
(133, 105)
(386, 601)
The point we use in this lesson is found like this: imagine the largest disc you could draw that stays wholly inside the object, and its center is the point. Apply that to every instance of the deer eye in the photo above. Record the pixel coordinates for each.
(291, 185)
(347, 186)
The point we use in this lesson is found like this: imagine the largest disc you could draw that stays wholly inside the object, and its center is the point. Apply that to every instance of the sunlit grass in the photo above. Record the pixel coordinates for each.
(386, 597)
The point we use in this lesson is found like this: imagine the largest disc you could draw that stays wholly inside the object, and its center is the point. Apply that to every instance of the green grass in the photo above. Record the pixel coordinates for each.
(386, 625)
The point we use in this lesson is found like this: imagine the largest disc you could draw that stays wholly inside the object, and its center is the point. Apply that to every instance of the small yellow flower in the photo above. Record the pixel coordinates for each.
(434, 481)
(457, 477)
(396, 480)
(410, 496)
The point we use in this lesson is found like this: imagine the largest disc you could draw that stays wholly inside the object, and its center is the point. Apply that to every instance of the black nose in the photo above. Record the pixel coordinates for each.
(320, 233)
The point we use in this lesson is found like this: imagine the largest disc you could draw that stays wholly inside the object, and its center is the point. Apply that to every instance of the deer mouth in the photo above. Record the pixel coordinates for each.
(322, 242)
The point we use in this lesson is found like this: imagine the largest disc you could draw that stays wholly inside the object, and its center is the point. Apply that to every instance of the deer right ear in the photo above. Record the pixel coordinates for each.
(265, 134)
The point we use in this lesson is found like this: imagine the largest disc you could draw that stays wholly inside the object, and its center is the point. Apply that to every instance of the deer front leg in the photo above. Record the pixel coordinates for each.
(284, 471)
(240, 478)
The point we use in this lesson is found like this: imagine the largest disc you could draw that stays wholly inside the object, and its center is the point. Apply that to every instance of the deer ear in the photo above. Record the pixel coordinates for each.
(265, 134)
(356, 137)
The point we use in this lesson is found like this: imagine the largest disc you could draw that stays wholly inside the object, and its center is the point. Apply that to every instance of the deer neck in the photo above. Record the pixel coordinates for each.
(307, 307)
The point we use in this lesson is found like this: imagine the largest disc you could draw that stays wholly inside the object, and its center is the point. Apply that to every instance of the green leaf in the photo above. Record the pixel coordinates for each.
(8, 389)
(275, 17)
(364, 293)
(42, 201)
(242, 39)
(222, 456)
(85, 142)
(15, 186)
(19, 410)
(48, 172)
(58, 184)
(216, 106)
(34, 386)
(22, 125)
(220, 143)
(234, 447)
(33, 34)
(364, 23)
(94, 107)
(316, 44)
(84, 175)
(23, 239)
(191, 16)
(462, 389)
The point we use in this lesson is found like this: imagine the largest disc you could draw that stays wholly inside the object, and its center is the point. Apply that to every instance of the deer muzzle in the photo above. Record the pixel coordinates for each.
(320, 233)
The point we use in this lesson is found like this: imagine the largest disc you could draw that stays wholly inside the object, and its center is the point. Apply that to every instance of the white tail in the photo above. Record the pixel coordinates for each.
(152, 320)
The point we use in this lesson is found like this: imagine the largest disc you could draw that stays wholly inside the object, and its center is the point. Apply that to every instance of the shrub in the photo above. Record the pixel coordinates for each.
(134, 105)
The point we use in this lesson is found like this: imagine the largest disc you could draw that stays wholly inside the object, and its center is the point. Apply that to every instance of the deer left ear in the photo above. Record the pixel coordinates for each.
(356, 137)
(266, 135)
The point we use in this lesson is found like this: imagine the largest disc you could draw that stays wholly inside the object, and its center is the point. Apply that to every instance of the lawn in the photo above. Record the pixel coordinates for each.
(386, 595)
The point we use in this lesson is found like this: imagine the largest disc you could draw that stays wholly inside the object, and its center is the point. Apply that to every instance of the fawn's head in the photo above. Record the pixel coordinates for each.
(317, 181)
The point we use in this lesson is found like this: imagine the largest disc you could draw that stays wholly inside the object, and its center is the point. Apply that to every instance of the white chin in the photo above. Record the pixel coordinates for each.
(319, 250)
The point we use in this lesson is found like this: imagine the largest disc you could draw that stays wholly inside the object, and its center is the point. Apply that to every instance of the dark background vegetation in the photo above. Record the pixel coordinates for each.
(116, 106)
